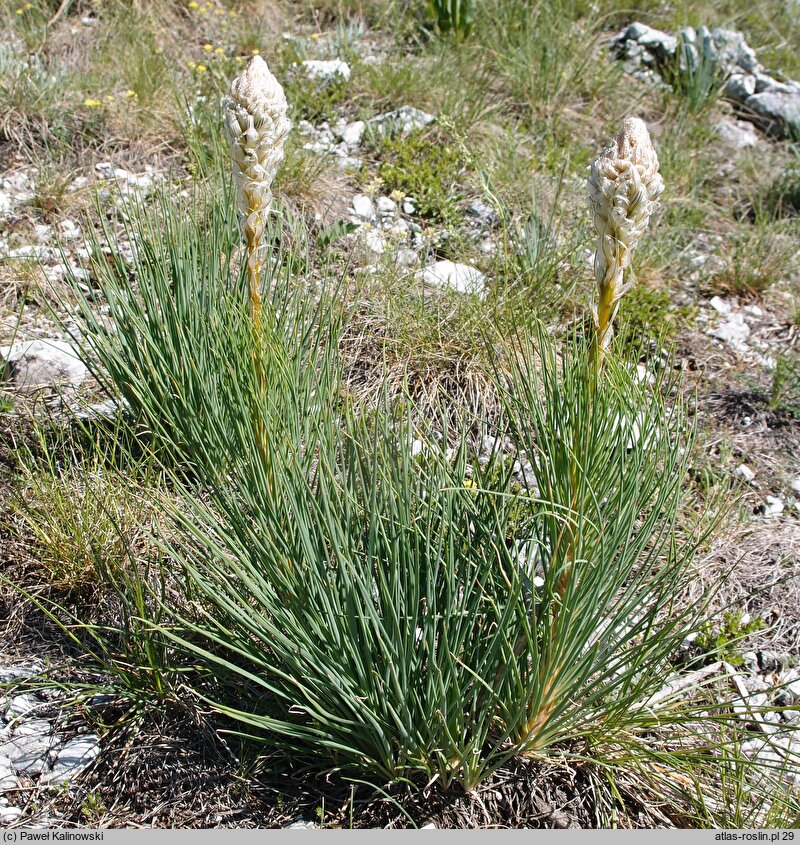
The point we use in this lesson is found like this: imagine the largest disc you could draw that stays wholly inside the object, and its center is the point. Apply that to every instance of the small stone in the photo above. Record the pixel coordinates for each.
(69, 229)
(753, 311)
(795, 484)
(405, 257)
(10, 674)
(375, 242)
(301, 824)
(744, 471)
(490, 447)
(777, 112)
(399, 228)
(8, 815)
(327, 71)
(778, 753)
(740, 86)
(29, 746)
(772, 507)
(661, 44)
(403, 121)
(8, 780)
(39, 254)
(73, 758)
(107, 170)
(37, 364)
(643, 375)
(363, 207)
(733, 331)
(736, 133)
(353, 133)
(386, 205)
(750, 661)
(352, 163)
(525, 475)
(768, 661)
(483, 213)
(5, 202)
(108, 409)
(20, 705)
(408, 206)
(459, 277)
(719, 305)
(765, 82)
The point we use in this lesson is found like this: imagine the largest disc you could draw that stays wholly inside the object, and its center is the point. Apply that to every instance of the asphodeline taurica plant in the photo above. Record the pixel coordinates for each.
(624, 187)
(257, 125)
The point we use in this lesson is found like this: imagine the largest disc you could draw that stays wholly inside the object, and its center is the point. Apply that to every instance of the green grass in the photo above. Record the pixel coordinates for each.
(80, 513)
(329, 530)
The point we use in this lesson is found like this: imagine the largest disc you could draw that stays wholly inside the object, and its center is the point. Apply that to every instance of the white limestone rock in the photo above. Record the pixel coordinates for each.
(402, 121)
(353, 133)
(73, 757)
(736, 133)
(29, 747)
(33, 365)
(326, 70)
(463, 278)
(8, 779)
(363, 207)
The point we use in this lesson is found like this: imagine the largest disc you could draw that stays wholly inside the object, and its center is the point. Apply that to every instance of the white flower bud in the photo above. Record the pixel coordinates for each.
(255, 117)
(624, 187)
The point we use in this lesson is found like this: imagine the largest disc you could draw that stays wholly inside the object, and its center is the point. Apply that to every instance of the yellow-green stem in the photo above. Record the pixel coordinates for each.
(254, 285)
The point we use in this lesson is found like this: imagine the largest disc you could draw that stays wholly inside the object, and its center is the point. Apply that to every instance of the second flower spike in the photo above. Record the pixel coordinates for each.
(624, 187)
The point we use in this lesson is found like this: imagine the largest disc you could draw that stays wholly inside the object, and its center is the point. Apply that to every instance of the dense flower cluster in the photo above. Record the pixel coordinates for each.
(624, 187)
(257, 124)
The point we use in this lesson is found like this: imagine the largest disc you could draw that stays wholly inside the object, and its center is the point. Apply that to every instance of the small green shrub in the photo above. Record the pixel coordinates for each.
(723, 641)
(426, 166)
(314, 100)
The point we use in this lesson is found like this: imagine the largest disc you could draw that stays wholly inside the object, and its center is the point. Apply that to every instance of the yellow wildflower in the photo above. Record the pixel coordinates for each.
(201, 68)
(92, 103)
(131, 93)
(314, 36)
(219, 51)
(256, 52)
(208, 47)
(194, 5)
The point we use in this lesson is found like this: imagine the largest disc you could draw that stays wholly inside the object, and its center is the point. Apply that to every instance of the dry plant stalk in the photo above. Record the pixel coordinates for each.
(257, 125)
(624, 187)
